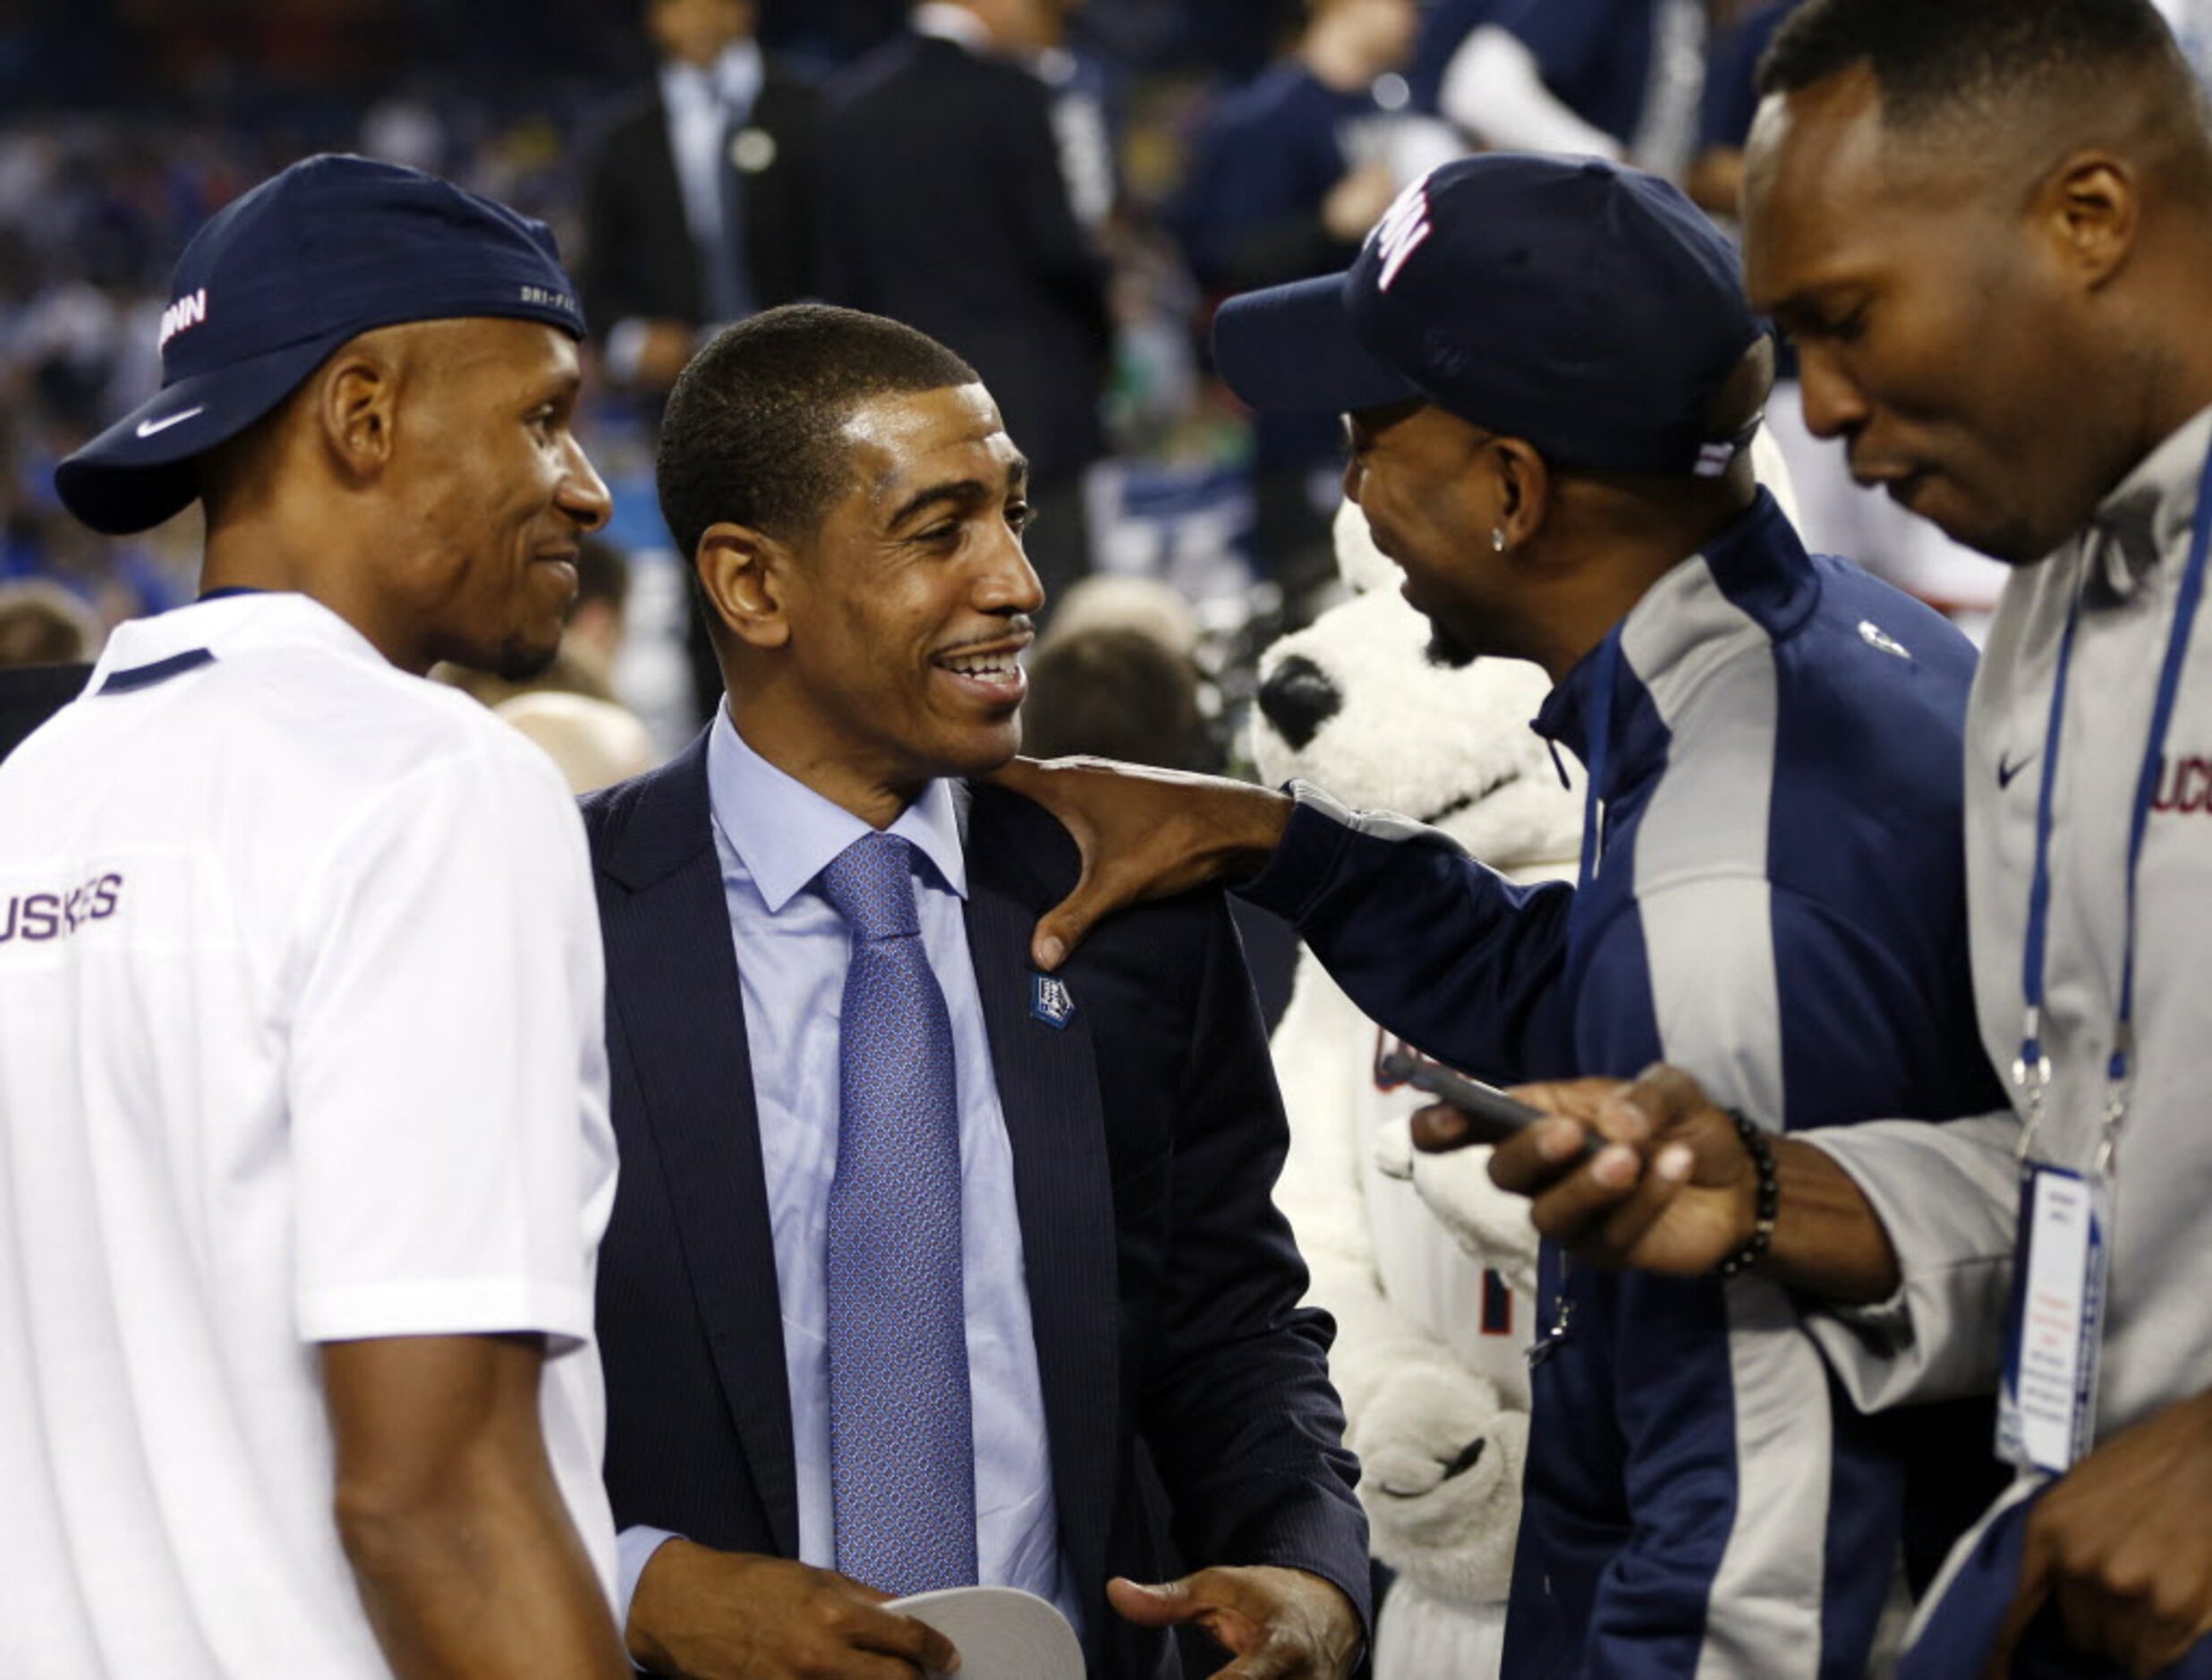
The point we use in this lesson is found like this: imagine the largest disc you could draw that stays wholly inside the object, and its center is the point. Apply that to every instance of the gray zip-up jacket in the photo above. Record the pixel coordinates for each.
(1947, 1193)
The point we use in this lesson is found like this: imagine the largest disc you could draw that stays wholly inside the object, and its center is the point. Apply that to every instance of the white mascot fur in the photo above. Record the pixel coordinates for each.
(1427, 1268)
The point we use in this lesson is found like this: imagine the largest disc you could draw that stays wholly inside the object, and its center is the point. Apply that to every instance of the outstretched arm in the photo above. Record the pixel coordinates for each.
(1439, 948)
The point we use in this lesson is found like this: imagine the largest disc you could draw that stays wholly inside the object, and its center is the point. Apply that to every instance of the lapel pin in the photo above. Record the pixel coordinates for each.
(752, 150)
(1051, 1001)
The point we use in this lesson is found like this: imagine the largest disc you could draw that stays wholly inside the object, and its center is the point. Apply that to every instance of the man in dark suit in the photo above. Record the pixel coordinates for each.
(698, 201)
(926, 1270)
(971, 237)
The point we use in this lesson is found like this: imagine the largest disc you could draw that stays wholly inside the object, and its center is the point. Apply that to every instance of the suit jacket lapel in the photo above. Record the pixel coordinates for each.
(670, 953)
(1048, 1089)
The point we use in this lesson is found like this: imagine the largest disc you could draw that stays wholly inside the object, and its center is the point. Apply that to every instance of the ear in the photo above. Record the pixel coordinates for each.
(1525, 482)
(746, 574)
(356, 403)
(2092, 206)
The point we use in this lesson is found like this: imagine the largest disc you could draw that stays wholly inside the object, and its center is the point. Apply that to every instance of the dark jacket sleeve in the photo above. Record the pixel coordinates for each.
(1440, 949)
(1237, 1407)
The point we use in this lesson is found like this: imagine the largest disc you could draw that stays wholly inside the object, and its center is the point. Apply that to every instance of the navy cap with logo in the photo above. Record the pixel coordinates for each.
(280, 278)
(1588, 309)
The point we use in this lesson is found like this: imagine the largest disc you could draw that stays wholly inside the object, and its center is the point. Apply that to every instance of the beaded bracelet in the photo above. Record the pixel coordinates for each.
(1762, 1237)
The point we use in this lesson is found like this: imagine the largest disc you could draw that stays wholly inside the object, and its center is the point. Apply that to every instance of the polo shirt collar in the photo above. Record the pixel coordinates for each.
(232, 623)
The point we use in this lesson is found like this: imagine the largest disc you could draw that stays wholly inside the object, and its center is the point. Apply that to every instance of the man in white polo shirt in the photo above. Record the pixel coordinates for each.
(304, 1146)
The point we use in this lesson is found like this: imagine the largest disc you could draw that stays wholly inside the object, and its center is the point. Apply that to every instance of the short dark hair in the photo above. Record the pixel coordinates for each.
(1116, 693)
(750, 430)
(1930, 57)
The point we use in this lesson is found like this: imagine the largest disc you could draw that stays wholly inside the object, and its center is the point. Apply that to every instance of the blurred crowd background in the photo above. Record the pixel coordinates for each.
(1196, 147)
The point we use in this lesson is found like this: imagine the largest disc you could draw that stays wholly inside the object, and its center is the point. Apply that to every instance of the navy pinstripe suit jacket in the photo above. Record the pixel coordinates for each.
(1186, 1393)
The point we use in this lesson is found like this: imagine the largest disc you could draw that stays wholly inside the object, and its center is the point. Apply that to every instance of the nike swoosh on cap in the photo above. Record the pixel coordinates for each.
(148, 428)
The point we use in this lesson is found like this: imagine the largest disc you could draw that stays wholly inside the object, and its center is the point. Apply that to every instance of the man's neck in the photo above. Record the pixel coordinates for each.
(254, 553)
(1612, 576)
(832, 770)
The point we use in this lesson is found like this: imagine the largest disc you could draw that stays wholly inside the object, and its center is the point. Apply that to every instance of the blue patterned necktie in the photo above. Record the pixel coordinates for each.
(902, 1445)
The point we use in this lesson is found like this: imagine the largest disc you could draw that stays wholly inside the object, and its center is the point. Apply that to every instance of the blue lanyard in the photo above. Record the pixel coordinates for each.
(2033, 1071)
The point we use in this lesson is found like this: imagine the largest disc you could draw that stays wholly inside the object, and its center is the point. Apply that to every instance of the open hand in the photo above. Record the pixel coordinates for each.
(1277, 1623)
(732, 1615)
(1144, 834)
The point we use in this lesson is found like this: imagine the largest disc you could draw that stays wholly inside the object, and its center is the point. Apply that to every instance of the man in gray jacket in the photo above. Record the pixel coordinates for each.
(1988, 226)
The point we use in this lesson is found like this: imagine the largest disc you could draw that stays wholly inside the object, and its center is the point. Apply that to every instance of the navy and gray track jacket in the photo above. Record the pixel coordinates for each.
(1772, 897)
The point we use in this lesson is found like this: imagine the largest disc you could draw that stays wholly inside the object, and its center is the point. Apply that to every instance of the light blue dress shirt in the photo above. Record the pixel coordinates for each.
(700, 106)
(774, 835)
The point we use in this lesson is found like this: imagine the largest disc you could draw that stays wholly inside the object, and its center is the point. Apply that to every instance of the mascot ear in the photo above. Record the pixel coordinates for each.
(1363, 566)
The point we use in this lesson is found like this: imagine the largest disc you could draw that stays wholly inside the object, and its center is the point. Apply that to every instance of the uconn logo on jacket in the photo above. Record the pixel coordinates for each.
(2184, 787)
(36, 917)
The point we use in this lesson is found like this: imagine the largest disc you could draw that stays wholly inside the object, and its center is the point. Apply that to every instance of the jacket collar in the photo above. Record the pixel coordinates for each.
(1756, 567)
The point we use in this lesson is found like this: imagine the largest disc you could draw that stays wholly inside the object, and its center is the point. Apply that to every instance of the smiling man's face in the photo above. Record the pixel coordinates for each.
(907, 607)
(1418, 475)
(490, 493)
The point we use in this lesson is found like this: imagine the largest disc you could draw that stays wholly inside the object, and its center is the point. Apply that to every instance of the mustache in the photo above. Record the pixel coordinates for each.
(1019, 624)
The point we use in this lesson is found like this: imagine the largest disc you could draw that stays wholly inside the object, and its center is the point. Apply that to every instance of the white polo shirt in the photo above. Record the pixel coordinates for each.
(301, 1041)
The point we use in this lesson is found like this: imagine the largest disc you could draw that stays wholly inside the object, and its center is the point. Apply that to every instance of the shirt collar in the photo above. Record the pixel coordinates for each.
(1757, 561)
(2149, 513)
(786, 834)
(733, 81)
(232, 624)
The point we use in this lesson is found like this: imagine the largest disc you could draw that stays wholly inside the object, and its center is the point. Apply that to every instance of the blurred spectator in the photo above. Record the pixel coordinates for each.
(1618, 79)
(698, 200)
(1115, 692)
(1715, 180)
(1145, 604)
(1293, 170)
(594, 743)
(598, 619)
(1285, 181)
(954, 216)
(567, 674)
(43, 624)
(1445, 26)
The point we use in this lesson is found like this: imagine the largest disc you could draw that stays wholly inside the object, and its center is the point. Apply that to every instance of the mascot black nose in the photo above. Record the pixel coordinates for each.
(1298, 697)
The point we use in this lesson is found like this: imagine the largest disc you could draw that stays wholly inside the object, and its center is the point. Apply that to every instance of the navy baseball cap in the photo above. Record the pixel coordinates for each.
(1590, 308)
(278, 280)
